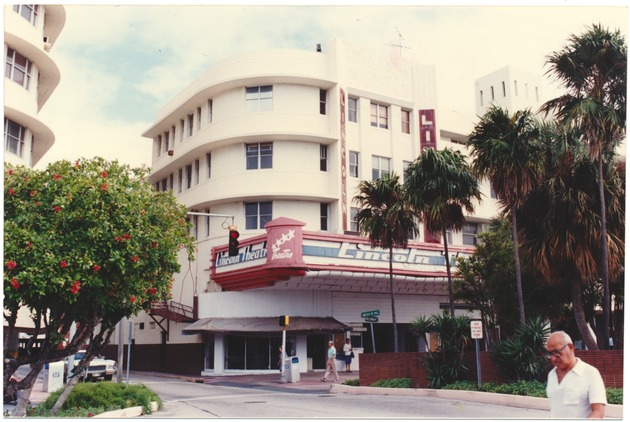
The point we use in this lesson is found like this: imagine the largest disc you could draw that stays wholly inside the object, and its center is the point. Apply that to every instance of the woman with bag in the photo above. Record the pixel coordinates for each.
(348, 354)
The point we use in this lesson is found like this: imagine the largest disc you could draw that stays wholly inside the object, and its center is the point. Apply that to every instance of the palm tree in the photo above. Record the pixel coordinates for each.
(386, 218)
(505, 151)
(561, 232)
(440, 184)
(593, 69)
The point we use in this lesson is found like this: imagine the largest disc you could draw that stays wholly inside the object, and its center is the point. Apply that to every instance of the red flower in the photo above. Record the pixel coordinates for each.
(96, 268)
(15, 283)
(132, 299)
(63, 264)
(56, 208)
(127, 236)
(104, 187)
(152, 291)
(57, 176)
(77, 164)
(76, 286)
(104, 174)
(154, 244)
(134, 258)
(29, 244)
(11, 191)
(11, 264)
(118, 238)
(33, 193)
(10, 171)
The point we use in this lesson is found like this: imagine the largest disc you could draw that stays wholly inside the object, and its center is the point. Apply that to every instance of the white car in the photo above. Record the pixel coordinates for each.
(100, 368)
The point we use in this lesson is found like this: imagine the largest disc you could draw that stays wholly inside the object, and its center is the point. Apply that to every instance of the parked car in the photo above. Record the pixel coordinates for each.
(100, 368)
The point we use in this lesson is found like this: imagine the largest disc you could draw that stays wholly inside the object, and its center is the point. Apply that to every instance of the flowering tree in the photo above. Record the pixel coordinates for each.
(85, 243)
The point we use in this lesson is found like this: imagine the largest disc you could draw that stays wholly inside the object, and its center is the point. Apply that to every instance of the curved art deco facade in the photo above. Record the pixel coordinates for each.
(31, 76)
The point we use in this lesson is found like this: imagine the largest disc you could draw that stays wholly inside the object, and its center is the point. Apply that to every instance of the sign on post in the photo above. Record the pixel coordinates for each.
(368, 314)
(476, 330)
(371, 319)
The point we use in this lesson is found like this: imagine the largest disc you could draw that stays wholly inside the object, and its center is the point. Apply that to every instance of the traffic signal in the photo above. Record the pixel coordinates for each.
(233, 241)
(283, 320)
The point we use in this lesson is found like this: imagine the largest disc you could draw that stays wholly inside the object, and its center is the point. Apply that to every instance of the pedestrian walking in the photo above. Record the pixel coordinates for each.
(348, 354)
(575, 388)
(330, 363)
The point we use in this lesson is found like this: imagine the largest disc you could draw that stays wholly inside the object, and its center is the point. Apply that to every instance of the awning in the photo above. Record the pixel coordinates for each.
(266, 326)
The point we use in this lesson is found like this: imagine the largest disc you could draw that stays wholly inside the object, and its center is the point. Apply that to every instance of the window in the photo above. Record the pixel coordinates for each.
(171, 182)
(503, 86)
(322, 101)
(353, 164)
(353, 223)
(515, 89)
(207, 211)
(380, 167)
(481, 98)
(166, 142)
(406, 164)
(182, 126)
(196, 169)
(469, 234)
(493, 194)
(209, 111)
(259, 156)
(173, 135)
(323, 157)
(159, 145)
(190, 124)
(378, 115)
(526, 91)
(198, 118)
(180, 180)
(353, 109)
(195, 223)
(405, 121)
(259, 98)
(323, 216)
(163, 185)
(18, 68)
(492, 93)
(536, 91)
(13, 137)
(189, 174)
(28, 12)
(449, 236)
(257, 214)
(208, 165)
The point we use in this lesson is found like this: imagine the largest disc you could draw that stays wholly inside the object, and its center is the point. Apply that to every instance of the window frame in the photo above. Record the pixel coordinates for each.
(262, 155)
(324, 216)
(24, 69)
(33, 12)
(353, 112)
(323, 97)
(10, 139)
(323, 157)
(405, 124)
(257, 216)
(353, 167)
(380, 168)
(379, 115)
(259, 98)
(469, 231)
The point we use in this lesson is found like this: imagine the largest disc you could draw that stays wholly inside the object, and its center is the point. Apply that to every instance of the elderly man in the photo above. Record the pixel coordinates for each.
(330, 363)
(575, 389)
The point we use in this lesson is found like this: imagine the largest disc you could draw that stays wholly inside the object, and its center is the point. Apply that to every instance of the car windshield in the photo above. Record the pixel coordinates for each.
(79, 356)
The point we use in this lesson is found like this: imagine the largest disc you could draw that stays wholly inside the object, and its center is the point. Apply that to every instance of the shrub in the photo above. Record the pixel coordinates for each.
(354, 382)
(614, 395)
(89, 399)
(394, 383)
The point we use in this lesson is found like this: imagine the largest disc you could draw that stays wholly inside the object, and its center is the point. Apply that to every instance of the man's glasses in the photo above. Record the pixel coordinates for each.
(555, 353)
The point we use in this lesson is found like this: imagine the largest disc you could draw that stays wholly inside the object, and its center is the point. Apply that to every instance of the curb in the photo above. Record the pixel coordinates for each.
(612, 410)
(130, 412)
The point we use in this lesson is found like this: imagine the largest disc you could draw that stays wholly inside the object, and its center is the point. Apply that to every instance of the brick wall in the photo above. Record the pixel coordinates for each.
(377, 366)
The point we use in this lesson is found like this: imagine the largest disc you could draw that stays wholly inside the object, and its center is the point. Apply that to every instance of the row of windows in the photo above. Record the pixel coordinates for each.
(14, 134)
(18, 68)
(504, 91)
(260, 98)
(379, 115)
(28, 12)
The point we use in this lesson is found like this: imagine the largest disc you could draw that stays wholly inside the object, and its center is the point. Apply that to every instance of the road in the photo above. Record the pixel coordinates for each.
(233, 399)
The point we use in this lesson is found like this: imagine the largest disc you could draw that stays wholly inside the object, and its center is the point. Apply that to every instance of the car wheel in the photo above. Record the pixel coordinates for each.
(108, 377)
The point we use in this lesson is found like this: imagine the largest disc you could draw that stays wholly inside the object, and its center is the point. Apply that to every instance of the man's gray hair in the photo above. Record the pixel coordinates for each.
(566, 339)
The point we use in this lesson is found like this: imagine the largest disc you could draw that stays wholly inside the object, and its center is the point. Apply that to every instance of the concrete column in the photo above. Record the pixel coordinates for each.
(219, 354)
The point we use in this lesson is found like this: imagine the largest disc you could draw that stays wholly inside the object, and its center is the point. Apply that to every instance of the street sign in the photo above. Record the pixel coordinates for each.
(476, 329)
(368, 314)
(371, 319)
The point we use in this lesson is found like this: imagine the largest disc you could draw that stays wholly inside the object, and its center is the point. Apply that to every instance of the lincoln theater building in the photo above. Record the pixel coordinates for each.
(275, 143)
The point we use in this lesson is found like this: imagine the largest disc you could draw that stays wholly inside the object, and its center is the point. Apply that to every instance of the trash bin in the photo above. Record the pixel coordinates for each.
(53, 376)
(292, 369)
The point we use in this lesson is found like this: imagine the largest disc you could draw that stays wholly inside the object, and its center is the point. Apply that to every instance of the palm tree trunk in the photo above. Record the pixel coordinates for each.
(578, 313)
(517, 268)
(391, 294)
(448, 275)
(603, 340)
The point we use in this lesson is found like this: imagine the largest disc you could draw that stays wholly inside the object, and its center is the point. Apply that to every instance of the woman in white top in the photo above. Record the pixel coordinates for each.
(347, 351)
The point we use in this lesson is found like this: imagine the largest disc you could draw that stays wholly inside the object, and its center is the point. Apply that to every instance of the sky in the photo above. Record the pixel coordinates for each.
(120, 64)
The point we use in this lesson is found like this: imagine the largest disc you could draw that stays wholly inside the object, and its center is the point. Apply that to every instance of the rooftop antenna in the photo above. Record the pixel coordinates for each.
(400, 44)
